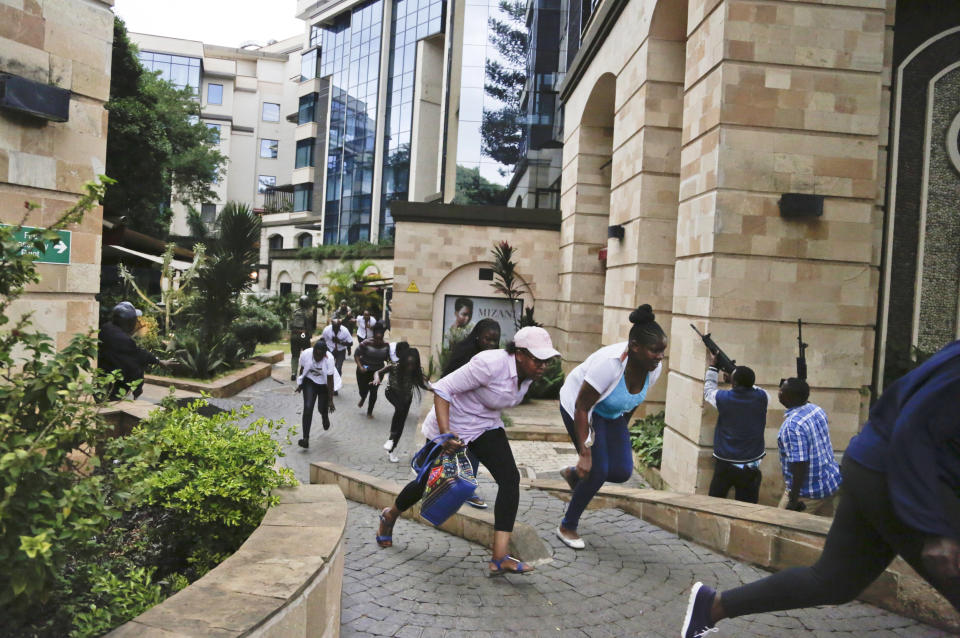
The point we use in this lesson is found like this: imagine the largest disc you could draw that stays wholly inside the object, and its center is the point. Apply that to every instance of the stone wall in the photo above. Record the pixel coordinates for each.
(685, 123)
(67, 44)
(434, 258)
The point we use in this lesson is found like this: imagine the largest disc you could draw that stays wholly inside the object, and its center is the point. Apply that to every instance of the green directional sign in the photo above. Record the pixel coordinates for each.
(56, 252)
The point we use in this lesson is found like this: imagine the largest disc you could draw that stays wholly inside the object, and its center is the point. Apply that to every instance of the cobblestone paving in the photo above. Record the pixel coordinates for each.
(632, 580)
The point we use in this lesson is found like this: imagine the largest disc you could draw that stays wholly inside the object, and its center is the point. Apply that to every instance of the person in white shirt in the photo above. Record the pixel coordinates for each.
(318, 380)
(597, 402)
(365, 327)
(338, 340)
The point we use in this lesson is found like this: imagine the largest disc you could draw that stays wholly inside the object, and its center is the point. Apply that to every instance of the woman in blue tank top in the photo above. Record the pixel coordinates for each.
(596, 404)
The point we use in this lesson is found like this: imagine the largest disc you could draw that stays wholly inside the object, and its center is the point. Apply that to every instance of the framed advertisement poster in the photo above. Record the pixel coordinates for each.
(462, 312)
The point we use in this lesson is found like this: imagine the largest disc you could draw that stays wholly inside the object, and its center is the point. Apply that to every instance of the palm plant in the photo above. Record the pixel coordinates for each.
(350, 283)
(506, 281)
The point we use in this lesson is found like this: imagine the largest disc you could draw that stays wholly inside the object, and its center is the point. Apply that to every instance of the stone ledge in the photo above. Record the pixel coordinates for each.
(768, 537)
(274, 356)
(537, 433)
(284, 581)
(473, 525)
(227, 386)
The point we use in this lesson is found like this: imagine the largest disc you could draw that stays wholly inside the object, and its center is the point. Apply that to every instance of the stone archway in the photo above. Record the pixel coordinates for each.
(585, 206)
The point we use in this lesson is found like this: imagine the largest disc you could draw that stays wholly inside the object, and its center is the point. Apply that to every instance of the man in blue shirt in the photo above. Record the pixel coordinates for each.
(901, 496)
(738, 439)
(810, 471)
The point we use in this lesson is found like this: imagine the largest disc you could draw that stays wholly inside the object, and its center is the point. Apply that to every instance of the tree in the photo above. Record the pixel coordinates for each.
(157, 148)
(351, 283)
(472, 188)
(501, 131)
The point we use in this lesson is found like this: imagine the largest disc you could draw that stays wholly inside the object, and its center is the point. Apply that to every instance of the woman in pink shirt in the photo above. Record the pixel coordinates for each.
(467, 403)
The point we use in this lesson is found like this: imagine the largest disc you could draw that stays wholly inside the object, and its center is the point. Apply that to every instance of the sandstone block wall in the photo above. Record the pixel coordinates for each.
(65, 43)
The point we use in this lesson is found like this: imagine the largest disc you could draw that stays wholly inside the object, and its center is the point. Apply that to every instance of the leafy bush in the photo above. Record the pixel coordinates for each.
(121, 597)
(255, 324)
(548, 386)
(208, 480)
(281, 306)
(147, 335)
(48, 507)
(646, 438)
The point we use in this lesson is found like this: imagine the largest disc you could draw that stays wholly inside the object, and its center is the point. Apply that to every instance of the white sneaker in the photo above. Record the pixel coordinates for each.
(388, 445)
(394, 458)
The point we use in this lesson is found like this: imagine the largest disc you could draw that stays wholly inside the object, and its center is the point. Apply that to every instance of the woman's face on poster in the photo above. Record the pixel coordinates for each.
(463, 316)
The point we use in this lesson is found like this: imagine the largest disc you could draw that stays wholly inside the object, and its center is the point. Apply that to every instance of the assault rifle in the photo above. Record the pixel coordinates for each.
(802, 359)
(724, 362)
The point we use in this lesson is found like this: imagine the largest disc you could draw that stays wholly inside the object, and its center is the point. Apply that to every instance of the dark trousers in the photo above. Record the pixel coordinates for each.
(612, 460)
(297, 346)
(865, 537)
(744, 481)
(363, 384)
(401, 407)
(314, 393)
(493, 450)
(338, 357)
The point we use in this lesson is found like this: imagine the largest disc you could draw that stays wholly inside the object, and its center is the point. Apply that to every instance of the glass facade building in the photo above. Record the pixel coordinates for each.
(351, 57)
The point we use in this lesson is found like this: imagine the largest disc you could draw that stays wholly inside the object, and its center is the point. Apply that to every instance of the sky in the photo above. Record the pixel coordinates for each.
(224, 22)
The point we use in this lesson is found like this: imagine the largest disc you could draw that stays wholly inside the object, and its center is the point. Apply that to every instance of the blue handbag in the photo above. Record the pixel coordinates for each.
(448, 480)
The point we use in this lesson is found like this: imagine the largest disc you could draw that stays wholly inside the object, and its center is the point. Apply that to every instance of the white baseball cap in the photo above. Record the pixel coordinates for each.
(536, 341)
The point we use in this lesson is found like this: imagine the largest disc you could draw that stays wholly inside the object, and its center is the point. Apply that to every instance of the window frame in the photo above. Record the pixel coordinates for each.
(210, 85)
(263, 111)
(275, 148)
(262, 186)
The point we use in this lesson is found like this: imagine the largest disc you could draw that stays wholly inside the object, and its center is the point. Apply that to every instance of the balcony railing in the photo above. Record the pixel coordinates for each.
(278, 199)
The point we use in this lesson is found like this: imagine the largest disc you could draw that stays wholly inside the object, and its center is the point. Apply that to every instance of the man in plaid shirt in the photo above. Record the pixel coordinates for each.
(810, 471)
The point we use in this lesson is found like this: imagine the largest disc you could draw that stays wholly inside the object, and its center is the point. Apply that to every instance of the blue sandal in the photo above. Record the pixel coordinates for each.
(386, 540)
(499, 569)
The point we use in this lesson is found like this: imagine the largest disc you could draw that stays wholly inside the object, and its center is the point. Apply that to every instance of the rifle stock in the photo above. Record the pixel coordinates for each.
(724, 362)
(802, 359)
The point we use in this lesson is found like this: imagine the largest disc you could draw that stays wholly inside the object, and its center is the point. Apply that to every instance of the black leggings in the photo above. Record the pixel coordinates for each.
(493, 450)
(401, 407)
(314, 393)
(363, 384)
(745, 481)
(865, 537)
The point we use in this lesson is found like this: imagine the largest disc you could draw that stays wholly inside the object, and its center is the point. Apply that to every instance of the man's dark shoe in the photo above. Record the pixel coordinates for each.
(303, 443)
(697, 623)
(569, 475)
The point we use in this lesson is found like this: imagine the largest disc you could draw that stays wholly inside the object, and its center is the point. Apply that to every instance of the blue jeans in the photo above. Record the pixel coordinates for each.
(612, 461)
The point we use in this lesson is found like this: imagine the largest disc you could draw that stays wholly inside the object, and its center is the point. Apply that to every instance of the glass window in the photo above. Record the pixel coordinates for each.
(308, 65)
(305, 240)
(276, 242)
(208, 213)
(180, 71)
(215, 134)
(271, 112)
(286, 288)
(268, 148)
(314, 35)
(303, 197)
(264, 182)
(307, 113)
(214, 94)
(305, 152)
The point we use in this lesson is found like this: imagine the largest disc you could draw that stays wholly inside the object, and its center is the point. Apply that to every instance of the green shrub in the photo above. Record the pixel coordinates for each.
(254, 325)
(646, 438)
(209, 480)
(119, 598)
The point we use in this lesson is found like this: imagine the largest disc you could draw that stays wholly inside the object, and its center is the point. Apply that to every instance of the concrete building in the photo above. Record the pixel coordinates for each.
(245, 94)
(739, 165)
(57, 52)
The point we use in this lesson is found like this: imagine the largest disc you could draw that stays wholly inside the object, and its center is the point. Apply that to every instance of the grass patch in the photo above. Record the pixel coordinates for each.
(167, 374)
(263, 348)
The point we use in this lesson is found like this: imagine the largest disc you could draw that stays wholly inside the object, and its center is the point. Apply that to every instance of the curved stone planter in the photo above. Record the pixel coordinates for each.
(283, 582)
(221, 388)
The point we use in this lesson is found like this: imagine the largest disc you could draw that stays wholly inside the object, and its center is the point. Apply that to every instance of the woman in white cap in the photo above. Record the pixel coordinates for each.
(596, 403)
(467, 403)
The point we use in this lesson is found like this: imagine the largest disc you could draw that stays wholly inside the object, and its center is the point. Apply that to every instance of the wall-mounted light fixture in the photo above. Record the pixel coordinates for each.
(34, 98)
(615, 232)
(794, 205)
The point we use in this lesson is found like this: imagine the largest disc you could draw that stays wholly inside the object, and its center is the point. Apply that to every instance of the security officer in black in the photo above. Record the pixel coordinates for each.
(119, 352)
(301, 331)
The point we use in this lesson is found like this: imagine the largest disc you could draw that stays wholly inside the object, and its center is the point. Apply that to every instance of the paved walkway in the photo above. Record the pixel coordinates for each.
(631, 581)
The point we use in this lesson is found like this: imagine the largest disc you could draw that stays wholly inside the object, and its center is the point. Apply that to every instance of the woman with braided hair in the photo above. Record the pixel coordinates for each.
(596, 404)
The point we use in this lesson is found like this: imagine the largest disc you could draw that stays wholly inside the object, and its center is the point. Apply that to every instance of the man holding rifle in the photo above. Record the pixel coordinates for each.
(738, 442)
